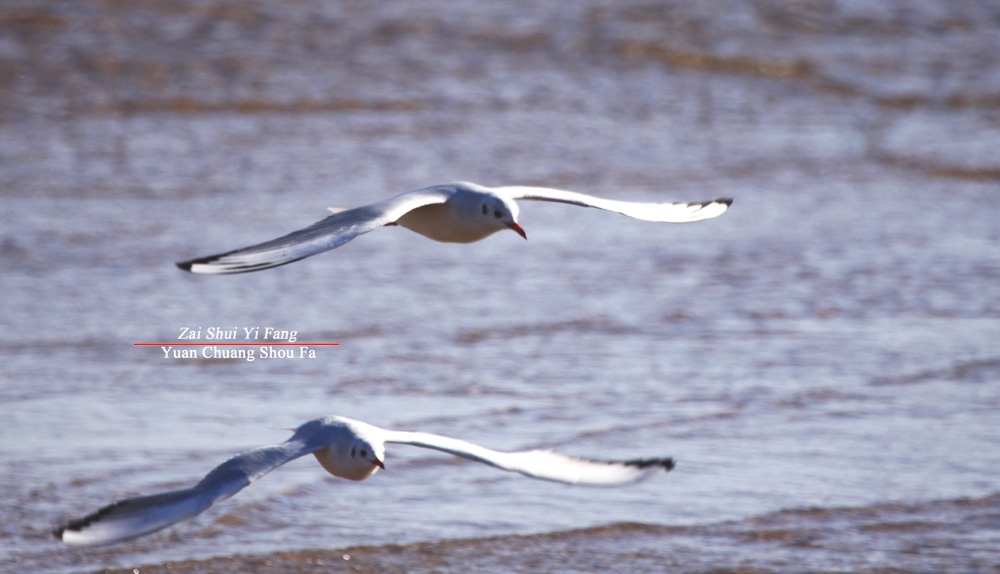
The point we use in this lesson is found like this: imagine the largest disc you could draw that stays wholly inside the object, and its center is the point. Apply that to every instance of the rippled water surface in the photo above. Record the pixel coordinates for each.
(822, 360)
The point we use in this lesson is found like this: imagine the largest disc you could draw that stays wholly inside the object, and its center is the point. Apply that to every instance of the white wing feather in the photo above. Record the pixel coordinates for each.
(134, 517)
(682, 212)
(543, 464)
(330, 233)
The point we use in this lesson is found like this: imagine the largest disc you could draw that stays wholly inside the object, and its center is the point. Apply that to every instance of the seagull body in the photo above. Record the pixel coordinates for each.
(345, 448)
(452, 213)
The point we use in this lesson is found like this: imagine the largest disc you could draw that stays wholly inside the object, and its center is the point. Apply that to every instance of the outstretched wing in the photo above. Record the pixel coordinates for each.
(543, 464)
(323, 235)
(134, 517)
(683, 212)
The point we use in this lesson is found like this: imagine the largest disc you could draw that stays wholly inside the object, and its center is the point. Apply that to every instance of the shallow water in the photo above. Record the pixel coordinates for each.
(829, 343)
(943, 536)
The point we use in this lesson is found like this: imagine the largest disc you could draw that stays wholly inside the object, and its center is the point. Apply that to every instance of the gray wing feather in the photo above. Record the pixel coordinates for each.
(543, 464)
(326, 234)
(134, 517)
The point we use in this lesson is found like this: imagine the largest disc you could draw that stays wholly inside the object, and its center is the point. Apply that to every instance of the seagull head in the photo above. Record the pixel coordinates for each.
(352, 457)
(500, 212)
(367, 455)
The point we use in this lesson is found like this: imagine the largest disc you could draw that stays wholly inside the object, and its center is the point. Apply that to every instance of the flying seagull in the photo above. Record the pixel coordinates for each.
(345, 448)
(453, 213)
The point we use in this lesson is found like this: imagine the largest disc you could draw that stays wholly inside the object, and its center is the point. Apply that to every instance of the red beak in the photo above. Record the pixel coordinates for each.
(378, 463)
(518, 229)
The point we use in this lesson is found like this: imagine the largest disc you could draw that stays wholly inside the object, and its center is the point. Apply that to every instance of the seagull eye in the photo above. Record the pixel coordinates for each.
(496, 213)
(364, 453)
(485, 210)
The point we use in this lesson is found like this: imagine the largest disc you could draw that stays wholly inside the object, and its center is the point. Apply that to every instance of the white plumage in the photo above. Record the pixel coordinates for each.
(452, 213)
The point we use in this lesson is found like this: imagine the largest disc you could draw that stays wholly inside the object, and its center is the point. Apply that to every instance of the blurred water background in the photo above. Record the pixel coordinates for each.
(823, 361)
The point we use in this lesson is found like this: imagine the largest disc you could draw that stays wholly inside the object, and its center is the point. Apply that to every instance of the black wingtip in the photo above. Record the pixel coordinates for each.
(664, 463)
(186, 265)
(79, 524)
(727, 201)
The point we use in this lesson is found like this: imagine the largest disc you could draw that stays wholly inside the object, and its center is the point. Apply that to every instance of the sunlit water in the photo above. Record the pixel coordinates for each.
(830, 342)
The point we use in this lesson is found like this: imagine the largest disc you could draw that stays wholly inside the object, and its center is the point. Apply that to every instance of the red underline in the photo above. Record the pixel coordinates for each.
(257, 344)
